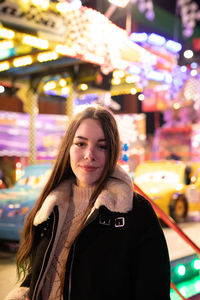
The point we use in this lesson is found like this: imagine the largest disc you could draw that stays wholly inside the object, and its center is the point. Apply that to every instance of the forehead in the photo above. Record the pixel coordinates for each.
(90, 128)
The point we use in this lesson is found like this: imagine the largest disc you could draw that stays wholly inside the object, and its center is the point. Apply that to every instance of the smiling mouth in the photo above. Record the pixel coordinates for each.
(89, 168)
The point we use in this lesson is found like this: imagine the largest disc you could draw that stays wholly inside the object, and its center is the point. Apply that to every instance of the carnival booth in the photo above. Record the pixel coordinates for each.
(177, 96)
(78, 54)
(46, 48)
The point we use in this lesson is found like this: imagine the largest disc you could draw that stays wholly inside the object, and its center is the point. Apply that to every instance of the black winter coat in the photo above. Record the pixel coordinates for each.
(121, 256)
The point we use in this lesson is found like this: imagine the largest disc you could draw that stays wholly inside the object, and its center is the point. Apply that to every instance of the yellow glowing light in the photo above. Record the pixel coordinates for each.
(42, 57)
(188, 54)
(61, 49)
(120, 3)
(6, 44)
(132, 78)
(194, 73)
(141, 97)
(22, 61)
(4, 66)
(2, 89)
(18, 165)
(116, 81)
(65, 90)
(83, 87)
(179, 187)
(176, 105)
(118, 74)
(43, 4)
(93, 58)
(62, 82)
(35, 42)
(133, 91)
(7, 33)
(18, 174)
(65, 50)
(49, 86)
(23, 49)
(64, 7)
(24, 3)
(154, 190)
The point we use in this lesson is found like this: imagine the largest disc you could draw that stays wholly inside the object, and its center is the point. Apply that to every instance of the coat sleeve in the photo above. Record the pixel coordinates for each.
(152, 274)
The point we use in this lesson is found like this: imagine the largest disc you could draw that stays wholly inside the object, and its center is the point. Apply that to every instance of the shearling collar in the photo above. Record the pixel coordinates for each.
(117, 196)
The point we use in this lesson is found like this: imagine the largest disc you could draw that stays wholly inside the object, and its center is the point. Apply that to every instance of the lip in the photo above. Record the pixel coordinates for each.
(89, 168)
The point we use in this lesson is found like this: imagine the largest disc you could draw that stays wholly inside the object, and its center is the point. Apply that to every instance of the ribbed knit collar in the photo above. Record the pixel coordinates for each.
(82, 193)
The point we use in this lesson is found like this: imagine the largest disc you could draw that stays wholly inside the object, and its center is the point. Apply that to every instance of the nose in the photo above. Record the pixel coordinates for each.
(89, 154)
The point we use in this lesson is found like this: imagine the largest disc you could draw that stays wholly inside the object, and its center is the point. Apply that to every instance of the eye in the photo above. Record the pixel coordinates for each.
(80, 144)
(103, 147)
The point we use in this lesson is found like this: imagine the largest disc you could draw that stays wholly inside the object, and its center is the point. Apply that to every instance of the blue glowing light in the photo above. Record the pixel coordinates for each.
(139, 37)
(125, 147)
(51, 92)
(124, 157)
(173, 46)
(5, 53)
(86, 99)
(156, 39)
(183, 69)
(155, 75)
(168, 78)
(194, 65)
(134, 70)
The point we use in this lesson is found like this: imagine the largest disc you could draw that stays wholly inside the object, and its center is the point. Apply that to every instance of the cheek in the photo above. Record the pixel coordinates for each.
(76, 156)
(73, 156)
(103, 159)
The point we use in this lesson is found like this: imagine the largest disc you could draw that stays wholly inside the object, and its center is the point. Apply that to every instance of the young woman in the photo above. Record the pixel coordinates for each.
(89, 236)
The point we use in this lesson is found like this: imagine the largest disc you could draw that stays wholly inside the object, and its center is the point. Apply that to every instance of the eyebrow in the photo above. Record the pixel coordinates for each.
(84, 138)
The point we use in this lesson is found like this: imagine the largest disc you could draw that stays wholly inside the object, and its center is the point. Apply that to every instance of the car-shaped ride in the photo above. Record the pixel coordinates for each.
(16, 202)
(173, 185)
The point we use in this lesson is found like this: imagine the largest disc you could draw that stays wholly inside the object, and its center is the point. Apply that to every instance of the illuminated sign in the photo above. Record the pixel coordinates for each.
(46, 24)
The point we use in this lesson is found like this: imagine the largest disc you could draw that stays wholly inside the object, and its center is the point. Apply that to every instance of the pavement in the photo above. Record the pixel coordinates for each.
(8, 278)
(178, 248)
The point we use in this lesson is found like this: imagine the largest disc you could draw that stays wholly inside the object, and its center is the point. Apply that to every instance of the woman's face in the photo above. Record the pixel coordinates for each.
(88, 153)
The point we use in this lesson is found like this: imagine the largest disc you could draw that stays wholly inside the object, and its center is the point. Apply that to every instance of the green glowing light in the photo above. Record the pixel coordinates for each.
(189, 288)
(181, 270)
(196, 264)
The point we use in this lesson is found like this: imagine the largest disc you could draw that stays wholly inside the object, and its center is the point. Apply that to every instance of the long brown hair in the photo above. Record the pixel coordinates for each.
(62, 170)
